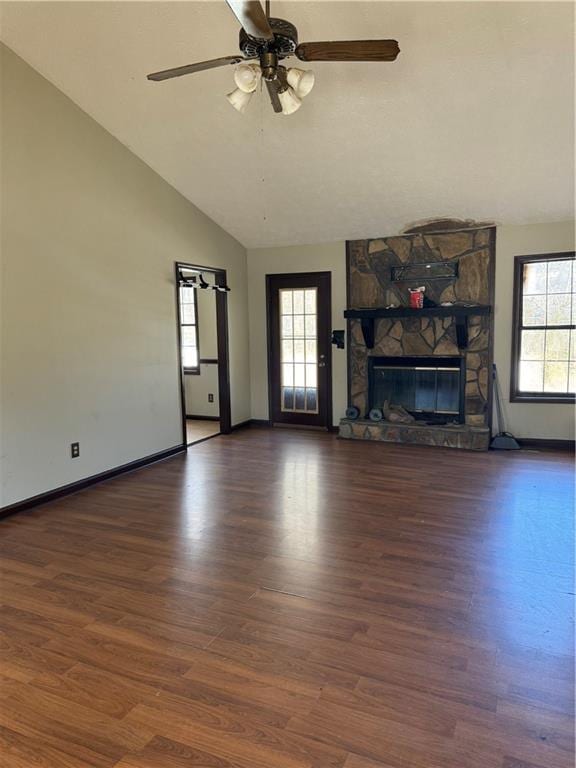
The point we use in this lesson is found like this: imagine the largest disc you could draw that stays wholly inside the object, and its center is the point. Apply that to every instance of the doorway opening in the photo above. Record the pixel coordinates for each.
(299, 349)
(202, 323)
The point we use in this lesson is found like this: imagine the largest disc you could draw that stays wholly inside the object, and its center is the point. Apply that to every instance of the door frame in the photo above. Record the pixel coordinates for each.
(270, 334)
(220, 278)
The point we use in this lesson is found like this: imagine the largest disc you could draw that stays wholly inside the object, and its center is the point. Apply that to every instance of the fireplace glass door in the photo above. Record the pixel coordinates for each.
(424, 387)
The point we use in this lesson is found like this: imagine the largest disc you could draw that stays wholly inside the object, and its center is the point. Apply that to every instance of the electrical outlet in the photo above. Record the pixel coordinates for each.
(74, 450)
(210, 398)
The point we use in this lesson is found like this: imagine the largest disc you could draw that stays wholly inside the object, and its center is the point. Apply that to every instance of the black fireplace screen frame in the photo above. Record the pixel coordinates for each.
(422, 361)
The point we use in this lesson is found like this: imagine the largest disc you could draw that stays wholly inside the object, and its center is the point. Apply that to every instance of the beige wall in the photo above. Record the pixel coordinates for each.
(198, 387)
(525, 420)
(308, 258)
(90, 235)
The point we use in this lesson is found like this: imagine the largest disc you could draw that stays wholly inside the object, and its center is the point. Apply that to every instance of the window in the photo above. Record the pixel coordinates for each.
(544, 333)
(189, 330)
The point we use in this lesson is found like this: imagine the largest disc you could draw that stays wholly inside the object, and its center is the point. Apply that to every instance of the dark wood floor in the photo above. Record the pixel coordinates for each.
(280, 599)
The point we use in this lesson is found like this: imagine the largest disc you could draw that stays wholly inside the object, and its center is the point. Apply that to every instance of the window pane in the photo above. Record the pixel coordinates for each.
(573, 345)
(311, 351)
(534, 310)
(188, 336)
(299, 376)
(556, 377)
(187, 313)
(287, 326)
(311, 372)
(298, 302)
(311, 326)
(559, 276)
(187, 295)
(557, 345)
(287, 399)
(572, 377)
(287, 351)
(299, 351)
(288, 375)
(299, 326)
(189, 357)
(286, 302)
(534, 278)
(300, 399)
(531, 378)
(310, 301)
(532, 347)
(311, 400)
(559, 309)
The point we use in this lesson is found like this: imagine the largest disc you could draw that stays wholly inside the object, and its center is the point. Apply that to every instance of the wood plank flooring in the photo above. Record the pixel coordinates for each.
(283, 599)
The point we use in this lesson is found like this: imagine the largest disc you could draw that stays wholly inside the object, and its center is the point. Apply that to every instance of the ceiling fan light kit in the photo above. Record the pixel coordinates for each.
(291, 87)
(302, 80)
(289, 100)
(271, 40)
(240, 99)
(247, 77)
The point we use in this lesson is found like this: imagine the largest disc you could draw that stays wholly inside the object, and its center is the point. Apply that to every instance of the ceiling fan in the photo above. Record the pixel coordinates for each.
(270, 41)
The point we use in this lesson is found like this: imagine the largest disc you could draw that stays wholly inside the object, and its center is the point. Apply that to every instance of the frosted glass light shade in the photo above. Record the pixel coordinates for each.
(302, 80)
(239, 99)
(247, 77)
(290, 102)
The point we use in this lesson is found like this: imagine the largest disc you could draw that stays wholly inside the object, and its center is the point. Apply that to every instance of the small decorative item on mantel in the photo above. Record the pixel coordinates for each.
(417, 297)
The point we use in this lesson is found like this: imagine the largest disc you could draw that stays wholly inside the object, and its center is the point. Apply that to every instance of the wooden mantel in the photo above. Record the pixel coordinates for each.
(461, 312)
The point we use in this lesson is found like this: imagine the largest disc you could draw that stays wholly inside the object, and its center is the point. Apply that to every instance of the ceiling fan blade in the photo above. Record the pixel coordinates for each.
(200, 66)
(349, 50)
(272, 86)
(252, 17)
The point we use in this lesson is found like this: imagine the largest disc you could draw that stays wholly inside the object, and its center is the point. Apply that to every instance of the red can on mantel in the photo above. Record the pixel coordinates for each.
(416, 298)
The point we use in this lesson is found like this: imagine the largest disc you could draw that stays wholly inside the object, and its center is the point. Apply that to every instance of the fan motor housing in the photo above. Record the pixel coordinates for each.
(284, 43)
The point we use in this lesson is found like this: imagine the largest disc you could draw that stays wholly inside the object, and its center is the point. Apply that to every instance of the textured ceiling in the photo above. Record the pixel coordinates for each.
(474, 119)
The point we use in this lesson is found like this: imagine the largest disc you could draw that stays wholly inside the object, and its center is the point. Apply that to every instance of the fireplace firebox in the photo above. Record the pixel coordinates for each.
(431, 388)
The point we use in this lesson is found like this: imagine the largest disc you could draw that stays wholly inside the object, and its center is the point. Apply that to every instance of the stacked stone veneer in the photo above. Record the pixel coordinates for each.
(370, 286)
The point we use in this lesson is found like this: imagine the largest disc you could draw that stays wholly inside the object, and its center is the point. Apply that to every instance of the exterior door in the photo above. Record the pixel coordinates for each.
(299, 351)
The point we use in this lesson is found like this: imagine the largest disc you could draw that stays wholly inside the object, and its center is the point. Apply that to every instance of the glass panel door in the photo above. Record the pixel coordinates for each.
(299, 318)
(299, 350)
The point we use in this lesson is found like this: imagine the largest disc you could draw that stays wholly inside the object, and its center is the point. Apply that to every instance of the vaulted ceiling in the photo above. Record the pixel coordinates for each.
(474, 119)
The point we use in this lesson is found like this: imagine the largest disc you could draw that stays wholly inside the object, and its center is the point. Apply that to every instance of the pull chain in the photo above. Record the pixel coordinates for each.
(262, 153)
(267, 11)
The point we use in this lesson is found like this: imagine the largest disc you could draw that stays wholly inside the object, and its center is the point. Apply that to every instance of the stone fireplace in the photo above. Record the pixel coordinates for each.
(434, 361)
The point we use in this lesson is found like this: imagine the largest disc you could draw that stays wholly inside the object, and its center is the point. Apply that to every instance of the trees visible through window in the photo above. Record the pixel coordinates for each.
(544, 343)
(189, 329)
